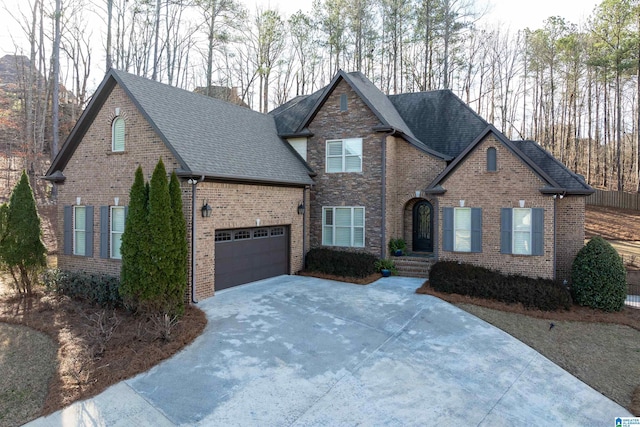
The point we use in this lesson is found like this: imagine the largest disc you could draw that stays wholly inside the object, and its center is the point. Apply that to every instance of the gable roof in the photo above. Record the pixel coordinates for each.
(557, 177)
(439, 119)
(207, 136)
(294, 117)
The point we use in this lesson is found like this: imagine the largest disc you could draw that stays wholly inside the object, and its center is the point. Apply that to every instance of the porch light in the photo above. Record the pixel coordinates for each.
(206, 210)
(78, 201)
(301, 208)
(116, 200)
(522, 203)
(418, 192)
(461, 203)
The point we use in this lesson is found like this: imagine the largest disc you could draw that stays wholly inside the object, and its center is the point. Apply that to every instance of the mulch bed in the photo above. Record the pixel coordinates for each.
(97, 348)
(628, 316)
(356, 280)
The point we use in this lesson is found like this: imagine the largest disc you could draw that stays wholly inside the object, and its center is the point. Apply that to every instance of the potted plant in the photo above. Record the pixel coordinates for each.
(386, 266)
(397, 246)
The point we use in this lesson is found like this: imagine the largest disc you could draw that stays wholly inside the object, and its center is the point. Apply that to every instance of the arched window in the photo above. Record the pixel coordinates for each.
(492, 160)
(117, 134)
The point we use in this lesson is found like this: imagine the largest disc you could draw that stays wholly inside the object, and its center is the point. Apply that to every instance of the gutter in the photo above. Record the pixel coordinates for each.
(194, 182)
(383, 226)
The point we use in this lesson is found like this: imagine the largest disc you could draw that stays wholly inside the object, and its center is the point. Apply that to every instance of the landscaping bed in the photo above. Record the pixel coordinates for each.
(94, 348)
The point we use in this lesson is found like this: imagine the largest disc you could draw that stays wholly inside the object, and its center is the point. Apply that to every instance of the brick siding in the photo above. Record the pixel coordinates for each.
(347, 189)
(97, 175)
(491, 191)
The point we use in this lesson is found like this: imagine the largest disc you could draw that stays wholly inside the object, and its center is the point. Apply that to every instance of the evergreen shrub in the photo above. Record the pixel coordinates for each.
(599, 278)
(466, 279)
(340, 263)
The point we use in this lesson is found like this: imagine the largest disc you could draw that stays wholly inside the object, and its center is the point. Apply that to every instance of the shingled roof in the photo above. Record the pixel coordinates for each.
(557, 178)
(439, 119)
(207, 136)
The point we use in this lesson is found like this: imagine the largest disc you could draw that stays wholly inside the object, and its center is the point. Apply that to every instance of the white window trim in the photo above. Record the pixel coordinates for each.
(113, 134)
(77, 230)
(343, 156)
(112, 233)
(456, 227)
(513, 231)
(351, 227)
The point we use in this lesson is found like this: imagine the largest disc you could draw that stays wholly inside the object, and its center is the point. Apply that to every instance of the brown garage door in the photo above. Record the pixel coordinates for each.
(249, 254)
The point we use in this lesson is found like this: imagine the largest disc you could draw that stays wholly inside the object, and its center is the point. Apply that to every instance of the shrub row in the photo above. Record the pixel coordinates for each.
(100, 289)
(466, 279)
(340, 263)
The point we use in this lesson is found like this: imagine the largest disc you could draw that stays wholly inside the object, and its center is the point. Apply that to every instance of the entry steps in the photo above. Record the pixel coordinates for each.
(413, 266)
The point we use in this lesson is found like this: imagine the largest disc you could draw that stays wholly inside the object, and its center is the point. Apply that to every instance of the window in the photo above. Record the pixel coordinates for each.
(117, 228)
(223, 236)
(521, 231)
(492, 159)
(277, 231)
(344, 155)
(242, 235)
(343, 226)
(117, 134)
(462, 229)
(261, 232)
(79, 230)
(343, 102)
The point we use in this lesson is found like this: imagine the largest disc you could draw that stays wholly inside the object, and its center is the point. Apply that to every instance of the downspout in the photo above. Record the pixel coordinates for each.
(194, 183)
(304, 226)
(383, 226)
(555, 209)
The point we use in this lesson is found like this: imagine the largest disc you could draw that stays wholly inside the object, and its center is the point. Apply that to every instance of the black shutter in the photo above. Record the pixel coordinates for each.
(537, 231)
(447, 229)
(68, 230)
(506, 224)
(89, 231)
(476, 230)
(104, 231)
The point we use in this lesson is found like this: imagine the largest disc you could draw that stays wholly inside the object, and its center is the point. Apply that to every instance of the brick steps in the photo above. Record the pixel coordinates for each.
(409, 266)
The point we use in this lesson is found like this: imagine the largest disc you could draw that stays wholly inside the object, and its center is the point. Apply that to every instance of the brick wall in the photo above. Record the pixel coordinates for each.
(240, 206)
(569, 233)
(492, 191)
(408, 170)
(97, 175)
(347, 189)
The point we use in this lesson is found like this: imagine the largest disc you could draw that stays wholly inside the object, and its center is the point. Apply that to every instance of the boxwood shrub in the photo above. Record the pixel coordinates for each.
(466, 279)
(340, 263)
(100, 289)
(599, 277)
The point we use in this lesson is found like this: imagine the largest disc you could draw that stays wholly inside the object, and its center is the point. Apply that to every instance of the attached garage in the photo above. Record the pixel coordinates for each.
(249, 254)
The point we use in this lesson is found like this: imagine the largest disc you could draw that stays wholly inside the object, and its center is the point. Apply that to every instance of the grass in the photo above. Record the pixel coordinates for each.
(601, 349)
(27, 363)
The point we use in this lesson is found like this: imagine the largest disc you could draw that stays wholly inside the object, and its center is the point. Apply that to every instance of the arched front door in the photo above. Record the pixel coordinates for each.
(423, 227)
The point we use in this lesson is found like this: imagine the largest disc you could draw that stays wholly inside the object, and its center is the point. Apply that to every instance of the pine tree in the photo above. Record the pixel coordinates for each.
(21, 247)
(134, 278)
(179, 283)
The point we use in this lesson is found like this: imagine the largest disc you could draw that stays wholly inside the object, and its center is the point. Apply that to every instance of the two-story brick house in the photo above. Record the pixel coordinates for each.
(345, 167)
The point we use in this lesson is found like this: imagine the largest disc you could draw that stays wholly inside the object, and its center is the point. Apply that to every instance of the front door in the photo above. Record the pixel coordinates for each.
(423, 227)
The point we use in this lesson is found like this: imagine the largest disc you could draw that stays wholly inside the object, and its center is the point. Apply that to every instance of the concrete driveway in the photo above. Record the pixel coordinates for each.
(298, 351)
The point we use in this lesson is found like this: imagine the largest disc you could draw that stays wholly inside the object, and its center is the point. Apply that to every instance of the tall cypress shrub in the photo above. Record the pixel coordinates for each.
(21, 247)
(134, 277)
(179, 284)
(162, 266)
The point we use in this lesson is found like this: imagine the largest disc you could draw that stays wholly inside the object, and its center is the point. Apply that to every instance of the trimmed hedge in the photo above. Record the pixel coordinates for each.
(599, 277)
(465, 279)
(100, 289)
(340, 263)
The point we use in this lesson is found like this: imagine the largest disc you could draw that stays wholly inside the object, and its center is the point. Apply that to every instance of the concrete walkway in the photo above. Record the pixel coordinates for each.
(298, 351)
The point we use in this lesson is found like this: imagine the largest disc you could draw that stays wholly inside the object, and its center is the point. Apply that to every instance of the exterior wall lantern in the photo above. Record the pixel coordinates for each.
(301, 208)
(206, 210)
(522, 203)
(461, 203)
